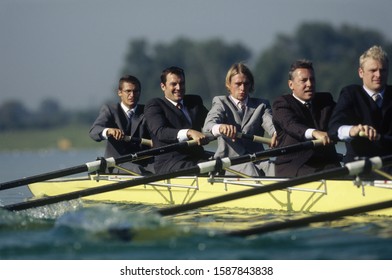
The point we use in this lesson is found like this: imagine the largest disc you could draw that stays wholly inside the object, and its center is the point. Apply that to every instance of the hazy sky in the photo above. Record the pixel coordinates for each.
(73, 50)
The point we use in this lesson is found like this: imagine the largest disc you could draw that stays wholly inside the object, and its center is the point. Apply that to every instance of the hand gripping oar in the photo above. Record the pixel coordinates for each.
(95, 165)
(254, 138)
(324, 217)
(201, 168)
(352, 168)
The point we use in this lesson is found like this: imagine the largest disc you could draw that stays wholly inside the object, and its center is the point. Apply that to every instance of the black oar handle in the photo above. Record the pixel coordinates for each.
(142, 141)
(254, 138)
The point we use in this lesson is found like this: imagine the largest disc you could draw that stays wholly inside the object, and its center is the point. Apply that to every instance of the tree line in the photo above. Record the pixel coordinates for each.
(334, 51)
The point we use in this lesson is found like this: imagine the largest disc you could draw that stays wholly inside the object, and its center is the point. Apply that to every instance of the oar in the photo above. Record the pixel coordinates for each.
(254, 138)
(275, 226)
(201, 168)
(379, 137)
(95, 165)
(352, 168)
(142, 141)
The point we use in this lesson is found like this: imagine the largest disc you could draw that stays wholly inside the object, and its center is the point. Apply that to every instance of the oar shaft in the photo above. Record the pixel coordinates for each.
(44, 177)
(155, 151)
(270, 227)
(95, 165)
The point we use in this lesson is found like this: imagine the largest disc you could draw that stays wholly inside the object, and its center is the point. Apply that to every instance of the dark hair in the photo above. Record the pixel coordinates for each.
(172, 70)
(300, 63)
(129, 79)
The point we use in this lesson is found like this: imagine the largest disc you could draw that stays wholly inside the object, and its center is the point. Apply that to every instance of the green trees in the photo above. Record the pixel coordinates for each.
(333, 50)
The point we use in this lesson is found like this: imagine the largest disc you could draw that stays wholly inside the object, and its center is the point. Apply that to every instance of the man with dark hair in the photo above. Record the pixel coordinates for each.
(301, 116)
(126, 118)
(174, 118)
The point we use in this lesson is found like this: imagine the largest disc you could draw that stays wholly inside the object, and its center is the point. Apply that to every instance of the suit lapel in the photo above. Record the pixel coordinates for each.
(234, 109)
(250, 108)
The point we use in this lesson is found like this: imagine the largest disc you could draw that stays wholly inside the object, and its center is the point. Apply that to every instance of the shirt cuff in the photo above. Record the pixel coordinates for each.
(215, 130)
(103, 134)
(182, 135)
(308, 133)
(344, 132)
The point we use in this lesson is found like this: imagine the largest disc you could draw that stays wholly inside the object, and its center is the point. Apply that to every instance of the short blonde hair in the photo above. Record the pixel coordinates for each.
(376, 53)
(239, 68)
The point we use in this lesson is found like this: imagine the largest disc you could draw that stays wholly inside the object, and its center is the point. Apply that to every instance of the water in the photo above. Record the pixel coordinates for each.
(72, 230)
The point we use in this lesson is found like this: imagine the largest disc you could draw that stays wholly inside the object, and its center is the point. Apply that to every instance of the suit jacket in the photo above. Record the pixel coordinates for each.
(113, 116)
(355, 107)
(164, 122)
(291, 119)
(256, 120)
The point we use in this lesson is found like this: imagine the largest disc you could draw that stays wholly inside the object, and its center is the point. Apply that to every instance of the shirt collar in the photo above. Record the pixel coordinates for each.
(235, 100)
(126, 109)
(175, 103)
(370, 93)
(300, 100)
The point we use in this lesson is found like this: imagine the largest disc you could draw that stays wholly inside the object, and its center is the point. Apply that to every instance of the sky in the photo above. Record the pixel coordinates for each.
(73, 50)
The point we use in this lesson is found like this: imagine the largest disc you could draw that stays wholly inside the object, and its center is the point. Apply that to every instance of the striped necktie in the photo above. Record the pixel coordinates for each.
(377, 98)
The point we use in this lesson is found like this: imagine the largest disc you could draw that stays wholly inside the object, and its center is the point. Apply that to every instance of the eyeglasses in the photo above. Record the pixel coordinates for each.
(129, 91)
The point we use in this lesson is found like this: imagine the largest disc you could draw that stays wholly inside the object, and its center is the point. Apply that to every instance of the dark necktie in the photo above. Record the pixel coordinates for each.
(129, 123)
(182, 109)
(378, 99)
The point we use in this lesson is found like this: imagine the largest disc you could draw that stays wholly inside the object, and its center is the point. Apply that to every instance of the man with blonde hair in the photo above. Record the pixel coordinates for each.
(365, 109)
(239, 112)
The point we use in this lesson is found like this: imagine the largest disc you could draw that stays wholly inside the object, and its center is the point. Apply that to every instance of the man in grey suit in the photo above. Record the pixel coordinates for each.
(126, 118)
(238, 112)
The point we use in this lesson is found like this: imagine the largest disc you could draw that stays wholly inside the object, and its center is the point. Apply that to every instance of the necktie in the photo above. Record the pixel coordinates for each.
(181, 107)
(242, 108)
(129, 124)
(377, 98)
(308, 105)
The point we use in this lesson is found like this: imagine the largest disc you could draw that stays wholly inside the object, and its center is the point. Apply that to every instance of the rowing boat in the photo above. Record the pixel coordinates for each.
(314, 197)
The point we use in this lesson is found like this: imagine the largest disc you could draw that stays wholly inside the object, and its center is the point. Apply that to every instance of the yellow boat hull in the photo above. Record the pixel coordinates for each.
(320, 196)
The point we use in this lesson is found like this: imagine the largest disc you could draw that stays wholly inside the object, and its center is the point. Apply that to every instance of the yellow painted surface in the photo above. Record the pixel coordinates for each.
(326, 196)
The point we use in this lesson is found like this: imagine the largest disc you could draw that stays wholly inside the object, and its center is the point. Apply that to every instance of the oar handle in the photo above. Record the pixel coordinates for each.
(143, 141)
(363, 134)
(379, 137)
(254, 138)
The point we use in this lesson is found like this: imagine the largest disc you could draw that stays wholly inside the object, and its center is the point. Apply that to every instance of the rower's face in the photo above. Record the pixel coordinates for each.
(303, 84)
(373, 74)
(174, 88)
(129, 94)
(239, 86)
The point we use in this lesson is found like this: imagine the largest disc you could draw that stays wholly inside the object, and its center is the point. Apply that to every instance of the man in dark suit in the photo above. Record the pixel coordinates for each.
(126, 118)
(174, 118)
(365, 109)
(301, 116)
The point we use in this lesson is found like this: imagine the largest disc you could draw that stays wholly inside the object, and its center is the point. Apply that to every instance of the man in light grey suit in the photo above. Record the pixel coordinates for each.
(238, 112)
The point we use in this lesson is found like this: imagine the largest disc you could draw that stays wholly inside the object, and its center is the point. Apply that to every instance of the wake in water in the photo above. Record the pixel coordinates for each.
(72, 230)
